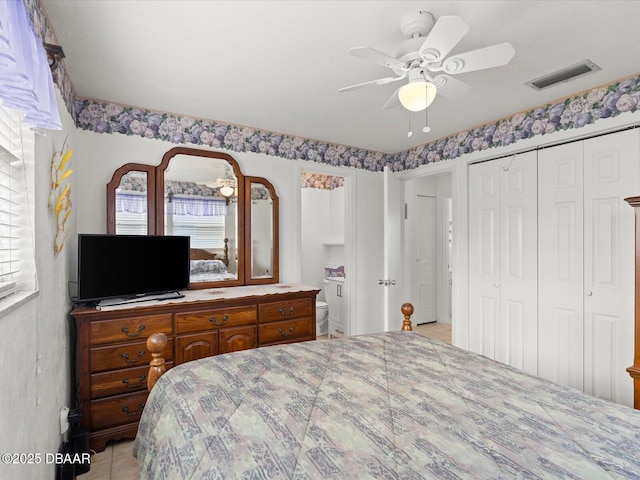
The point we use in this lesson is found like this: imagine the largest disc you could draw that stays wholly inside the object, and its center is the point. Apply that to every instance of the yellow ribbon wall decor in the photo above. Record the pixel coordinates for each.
(62, 205)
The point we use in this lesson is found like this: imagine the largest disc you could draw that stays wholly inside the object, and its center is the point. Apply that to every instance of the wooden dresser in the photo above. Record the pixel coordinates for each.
(113, 361)
(634, 370)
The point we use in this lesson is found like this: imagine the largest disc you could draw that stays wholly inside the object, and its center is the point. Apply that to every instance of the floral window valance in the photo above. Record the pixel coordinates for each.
(199, 207)
(26, 83)
(133, 202)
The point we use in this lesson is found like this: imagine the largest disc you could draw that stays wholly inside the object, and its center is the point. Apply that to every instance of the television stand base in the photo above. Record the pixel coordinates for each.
(109, 302)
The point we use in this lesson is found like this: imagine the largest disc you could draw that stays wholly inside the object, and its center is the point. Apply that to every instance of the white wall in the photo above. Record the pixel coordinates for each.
(35, 342)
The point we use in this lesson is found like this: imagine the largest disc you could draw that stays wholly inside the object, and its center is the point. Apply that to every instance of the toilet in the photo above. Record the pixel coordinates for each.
(322, 318)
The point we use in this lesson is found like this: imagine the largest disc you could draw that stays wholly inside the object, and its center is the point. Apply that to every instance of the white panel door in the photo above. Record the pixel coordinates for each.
(484, 257)
(610, 175)
(518, 263)
(560, 264)
(424, 285)
(502, 260)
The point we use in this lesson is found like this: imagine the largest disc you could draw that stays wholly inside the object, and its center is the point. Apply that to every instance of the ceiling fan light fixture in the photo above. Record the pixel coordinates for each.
(226, 191)
(418, 95)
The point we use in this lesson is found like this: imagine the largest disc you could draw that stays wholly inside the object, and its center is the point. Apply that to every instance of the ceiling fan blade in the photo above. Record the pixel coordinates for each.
(380, 81)
(487, 57)
(450, 87)
(444, 35)
(394, 100)
(373, 55)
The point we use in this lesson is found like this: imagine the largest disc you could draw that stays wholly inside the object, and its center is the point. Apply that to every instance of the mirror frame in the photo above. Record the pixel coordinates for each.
(116, 179)
(275, 259)
(155, 211)
(241, 208)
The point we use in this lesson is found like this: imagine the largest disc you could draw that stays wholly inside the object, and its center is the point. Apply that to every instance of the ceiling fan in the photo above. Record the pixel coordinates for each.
(226, 184)
(423, 61)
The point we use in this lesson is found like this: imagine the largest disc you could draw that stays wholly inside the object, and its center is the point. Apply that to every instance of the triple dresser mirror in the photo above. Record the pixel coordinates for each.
(232, 219)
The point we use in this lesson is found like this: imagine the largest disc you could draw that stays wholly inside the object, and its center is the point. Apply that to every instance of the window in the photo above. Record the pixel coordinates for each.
(17, 269)
(205, 232)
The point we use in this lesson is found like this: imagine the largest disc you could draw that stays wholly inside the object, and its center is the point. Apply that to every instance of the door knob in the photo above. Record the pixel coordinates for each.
(588, 293)
(497, 284)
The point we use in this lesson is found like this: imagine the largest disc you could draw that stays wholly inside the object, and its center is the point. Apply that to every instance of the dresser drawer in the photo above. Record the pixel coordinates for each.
(124, 356)
(120, 381)
(283, 332)
(129, 328)
(275, 311)
(120, 410)
(207, 319)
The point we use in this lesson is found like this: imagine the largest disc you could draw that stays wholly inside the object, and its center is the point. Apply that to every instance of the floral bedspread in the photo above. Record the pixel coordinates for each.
(394, 405)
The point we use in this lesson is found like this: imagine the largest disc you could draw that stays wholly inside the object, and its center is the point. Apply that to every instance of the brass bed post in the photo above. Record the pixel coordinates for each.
(407, 311)
(156, 344)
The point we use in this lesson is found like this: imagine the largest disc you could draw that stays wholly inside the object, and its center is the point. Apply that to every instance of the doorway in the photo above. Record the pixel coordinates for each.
(428, 247)
(324, 242)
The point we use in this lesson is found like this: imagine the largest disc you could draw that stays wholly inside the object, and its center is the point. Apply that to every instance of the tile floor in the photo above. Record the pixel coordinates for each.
(438, 331)
(117, 462)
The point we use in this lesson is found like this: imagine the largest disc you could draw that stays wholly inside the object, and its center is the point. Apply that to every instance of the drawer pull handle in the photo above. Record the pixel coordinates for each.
(134, 385)
(215, 322)
(281, 330)
(133, 360)
(125, 330)
(285, 314)
(126, 411)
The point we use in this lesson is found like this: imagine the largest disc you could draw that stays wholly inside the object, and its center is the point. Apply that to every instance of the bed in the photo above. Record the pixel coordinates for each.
(207, 266)
(393, 405)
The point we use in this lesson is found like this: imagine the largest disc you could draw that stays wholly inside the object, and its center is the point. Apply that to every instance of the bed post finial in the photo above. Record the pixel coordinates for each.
(156, 344)
(407, 311)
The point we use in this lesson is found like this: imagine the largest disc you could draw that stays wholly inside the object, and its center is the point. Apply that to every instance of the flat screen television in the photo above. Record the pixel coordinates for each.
(131, 266)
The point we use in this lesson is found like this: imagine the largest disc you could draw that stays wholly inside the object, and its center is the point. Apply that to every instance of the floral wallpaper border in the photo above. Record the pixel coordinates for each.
(321, 181)
(570, 113)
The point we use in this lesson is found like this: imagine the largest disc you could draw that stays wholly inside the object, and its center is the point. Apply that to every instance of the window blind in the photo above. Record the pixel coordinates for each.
(14, 237)
(205, 232)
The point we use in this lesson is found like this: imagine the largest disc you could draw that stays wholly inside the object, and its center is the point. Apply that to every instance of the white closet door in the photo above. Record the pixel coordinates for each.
(502, 260)
(560, 265)
(484, 257)
(518, 265)
(586, 263)
(610, 175)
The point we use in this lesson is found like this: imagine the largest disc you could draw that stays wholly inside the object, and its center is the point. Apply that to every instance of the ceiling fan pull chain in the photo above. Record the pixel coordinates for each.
(426, 128)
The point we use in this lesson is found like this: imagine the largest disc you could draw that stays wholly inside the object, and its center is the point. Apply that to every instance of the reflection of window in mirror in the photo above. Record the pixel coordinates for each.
(131, 204)
(261, 232)
(200, 200)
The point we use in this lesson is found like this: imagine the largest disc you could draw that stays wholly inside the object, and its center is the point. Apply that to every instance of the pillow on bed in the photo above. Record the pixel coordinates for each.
(208, 266)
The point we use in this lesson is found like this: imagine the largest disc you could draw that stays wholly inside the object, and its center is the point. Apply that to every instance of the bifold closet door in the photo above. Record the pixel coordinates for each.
(612, 166)
(586, 263)
(560, 264)
(502, 260)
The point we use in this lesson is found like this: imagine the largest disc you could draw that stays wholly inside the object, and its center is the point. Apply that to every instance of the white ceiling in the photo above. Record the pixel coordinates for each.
(277, 65)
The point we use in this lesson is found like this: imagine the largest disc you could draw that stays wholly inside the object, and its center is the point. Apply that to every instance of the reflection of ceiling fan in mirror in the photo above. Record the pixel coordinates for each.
(226, 183)
(423, 61)
(227, 186)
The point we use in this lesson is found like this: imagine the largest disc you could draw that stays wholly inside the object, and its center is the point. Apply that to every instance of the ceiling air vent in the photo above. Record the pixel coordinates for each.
(563, 75)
